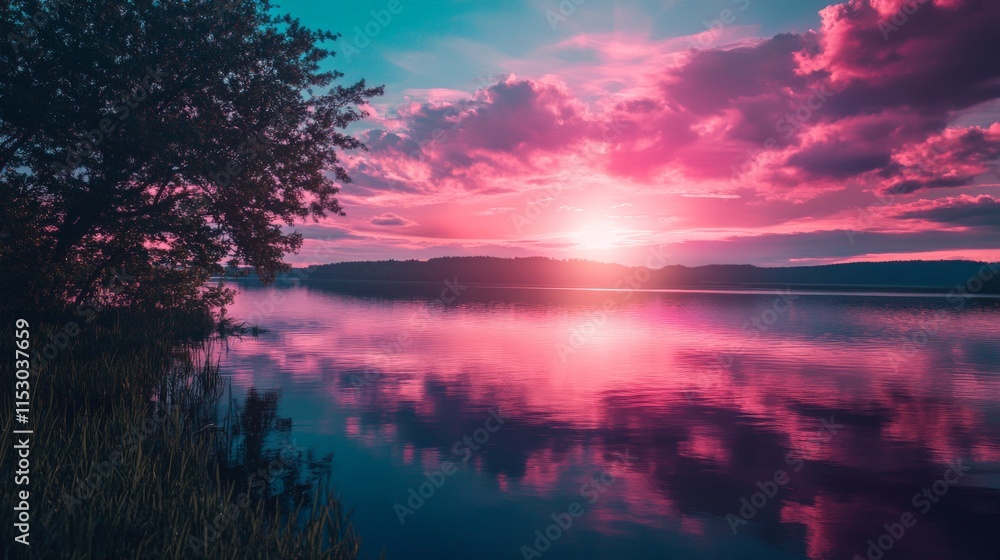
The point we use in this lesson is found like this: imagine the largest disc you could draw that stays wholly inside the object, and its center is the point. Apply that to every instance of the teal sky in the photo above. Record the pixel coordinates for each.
(456, 43)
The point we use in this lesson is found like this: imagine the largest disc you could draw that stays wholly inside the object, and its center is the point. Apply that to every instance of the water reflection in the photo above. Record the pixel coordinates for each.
(391, 384)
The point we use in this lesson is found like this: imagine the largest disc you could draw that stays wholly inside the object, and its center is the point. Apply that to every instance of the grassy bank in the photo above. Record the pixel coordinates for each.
(137, 452)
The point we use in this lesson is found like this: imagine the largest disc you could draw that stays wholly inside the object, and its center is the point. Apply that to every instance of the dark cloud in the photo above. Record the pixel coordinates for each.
(979, 212)
(779, 249)
(912, 185)
(717, 79)
(391, 220)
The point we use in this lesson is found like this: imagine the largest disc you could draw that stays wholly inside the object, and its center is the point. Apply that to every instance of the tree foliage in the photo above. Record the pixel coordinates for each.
(144, 143)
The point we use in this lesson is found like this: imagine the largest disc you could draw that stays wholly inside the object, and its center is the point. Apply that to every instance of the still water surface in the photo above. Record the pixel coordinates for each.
(651, 425)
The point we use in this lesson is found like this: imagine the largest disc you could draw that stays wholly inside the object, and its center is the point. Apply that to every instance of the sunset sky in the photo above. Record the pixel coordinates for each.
(789, 133)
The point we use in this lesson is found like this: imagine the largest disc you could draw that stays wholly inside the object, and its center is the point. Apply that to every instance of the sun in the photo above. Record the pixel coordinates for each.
(597, 237)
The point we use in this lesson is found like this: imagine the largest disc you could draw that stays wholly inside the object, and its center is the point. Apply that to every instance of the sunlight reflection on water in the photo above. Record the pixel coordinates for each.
(708, 401)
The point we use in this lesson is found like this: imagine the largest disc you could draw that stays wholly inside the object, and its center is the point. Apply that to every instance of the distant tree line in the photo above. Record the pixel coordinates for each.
(938, 276)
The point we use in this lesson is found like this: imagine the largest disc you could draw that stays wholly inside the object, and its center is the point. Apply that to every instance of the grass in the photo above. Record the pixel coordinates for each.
(132, 455)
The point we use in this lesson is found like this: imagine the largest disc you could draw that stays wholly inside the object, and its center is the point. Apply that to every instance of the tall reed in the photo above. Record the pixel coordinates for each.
(132, 455)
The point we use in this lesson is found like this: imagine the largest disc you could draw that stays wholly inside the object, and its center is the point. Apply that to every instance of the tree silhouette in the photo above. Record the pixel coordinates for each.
(161, 138)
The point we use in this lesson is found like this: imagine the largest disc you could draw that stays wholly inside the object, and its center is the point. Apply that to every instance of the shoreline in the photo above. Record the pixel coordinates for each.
(734, 289)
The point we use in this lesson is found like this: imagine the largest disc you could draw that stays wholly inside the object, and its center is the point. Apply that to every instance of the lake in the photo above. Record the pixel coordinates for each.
(493, 423)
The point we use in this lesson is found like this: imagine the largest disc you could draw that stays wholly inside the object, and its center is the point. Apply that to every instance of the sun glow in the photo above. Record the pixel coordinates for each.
(597, 237)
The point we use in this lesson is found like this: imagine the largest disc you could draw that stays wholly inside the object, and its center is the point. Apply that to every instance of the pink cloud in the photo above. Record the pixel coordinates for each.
(979, 212)
(391, 220)
(768, 141)
(953, 158)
